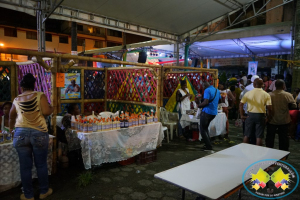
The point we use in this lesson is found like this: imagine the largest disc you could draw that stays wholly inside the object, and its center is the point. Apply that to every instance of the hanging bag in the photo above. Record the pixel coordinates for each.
(238, 122)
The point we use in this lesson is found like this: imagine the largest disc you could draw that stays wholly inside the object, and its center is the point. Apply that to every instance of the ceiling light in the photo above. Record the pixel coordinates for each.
(1, 45)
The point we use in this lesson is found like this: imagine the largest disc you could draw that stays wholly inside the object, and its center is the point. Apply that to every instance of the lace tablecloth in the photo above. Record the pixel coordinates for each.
(216, 127)
(118, 145)
(10, 166)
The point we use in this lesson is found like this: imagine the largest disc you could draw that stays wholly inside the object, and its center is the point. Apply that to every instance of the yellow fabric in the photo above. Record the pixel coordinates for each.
(171, 104)
(257, 100)
(38, 122)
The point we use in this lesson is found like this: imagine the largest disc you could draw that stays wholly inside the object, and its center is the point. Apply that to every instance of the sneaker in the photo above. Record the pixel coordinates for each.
(43, 196)
(204, 148)
(22, 197)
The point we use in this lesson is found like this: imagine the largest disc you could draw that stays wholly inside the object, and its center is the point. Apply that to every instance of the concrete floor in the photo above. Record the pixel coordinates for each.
(137, 182)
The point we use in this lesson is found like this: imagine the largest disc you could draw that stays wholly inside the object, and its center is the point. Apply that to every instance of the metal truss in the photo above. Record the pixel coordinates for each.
(195, 34)
(244, 47)
(67, 13)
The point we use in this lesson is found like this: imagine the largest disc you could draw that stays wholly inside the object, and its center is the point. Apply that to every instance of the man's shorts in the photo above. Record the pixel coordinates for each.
(255, 123)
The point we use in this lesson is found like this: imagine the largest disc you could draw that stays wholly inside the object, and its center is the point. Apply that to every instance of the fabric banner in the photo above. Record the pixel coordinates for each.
(252, 68)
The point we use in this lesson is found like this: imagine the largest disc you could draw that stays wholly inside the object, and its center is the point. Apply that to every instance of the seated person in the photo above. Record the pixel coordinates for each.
(5, 118)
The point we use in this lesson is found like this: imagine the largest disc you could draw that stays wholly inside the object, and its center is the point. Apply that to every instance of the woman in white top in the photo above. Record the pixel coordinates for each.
(5, 118)
(225, 93)
(183, 98)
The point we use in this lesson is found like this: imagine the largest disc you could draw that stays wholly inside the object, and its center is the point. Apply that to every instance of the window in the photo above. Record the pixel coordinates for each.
(80, 41)
(10, 32)
(79, 27)
(98, 44)
(31, 35)
(112, 44)
(114, 33)
(48, 37)
(64, 39)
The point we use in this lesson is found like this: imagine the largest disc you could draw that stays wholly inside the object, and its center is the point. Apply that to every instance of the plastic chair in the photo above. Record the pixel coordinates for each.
(166, 121)
(166, 129)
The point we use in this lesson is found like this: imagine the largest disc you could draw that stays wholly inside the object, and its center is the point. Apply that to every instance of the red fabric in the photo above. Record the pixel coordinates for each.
(294, 116)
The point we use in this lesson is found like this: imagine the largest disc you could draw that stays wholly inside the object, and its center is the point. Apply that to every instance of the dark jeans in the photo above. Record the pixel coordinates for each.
(282, 131)
(252, 139)
(28, 142)
(205, 120)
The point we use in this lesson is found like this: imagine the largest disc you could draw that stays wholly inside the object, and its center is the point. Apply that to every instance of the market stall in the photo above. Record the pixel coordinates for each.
(136, 88)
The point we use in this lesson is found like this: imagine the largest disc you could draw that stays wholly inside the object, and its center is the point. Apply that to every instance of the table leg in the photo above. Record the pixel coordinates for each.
(183, 194)
(240, 194)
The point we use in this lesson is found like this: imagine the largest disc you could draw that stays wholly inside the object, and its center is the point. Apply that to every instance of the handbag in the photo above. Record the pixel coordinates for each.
(238, 122)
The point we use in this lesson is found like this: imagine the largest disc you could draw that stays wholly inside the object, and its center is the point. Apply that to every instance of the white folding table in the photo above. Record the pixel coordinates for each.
(219, 174)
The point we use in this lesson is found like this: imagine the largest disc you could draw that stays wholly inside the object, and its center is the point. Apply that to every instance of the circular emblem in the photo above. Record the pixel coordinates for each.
(270, 178)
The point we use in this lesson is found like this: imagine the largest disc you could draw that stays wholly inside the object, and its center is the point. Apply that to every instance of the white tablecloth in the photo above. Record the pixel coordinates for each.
(118, 145)
(216, 127)
(10, 166)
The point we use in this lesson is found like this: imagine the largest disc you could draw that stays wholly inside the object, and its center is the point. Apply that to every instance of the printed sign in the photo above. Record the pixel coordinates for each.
(252, 68)
(60, 80)
(71, 88)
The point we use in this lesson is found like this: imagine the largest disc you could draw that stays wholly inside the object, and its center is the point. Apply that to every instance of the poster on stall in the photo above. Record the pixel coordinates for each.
(252, 68)
(71, 89)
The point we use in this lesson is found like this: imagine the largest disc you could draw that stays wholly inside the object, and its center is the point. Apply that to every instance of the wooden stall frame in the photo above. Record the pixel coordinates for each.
(158, 71)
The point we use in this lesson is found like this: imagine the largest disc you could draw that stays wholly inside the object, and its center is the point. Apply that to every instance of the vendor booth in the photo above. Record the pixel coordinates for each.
(136, 89)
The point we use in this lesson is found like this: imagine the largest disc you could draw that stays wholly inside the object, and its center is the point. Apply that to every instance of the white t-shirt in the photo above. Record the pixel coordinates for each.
(272, 86)
(245, 80)
(224, 93)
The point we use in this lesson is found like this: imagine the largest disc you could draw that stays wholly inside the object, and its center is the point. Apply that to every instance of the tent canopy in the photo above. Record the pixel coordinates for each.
(173, 16)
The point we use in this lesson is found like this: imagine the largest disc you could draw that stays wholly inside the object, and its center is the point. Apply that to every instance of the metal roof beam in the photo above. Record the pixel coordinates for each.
(193, 34)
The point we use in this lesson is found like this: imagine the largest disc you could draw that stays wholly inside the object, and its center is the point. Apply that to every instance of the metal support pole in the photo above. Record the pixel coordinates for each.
(186, 54)
(40, 13)
(74, 37)
(177, 53)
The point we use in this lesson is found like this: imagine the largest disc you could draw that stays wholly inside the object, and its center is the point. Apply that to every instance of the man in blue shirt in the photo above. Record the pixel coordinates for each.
(212, 98)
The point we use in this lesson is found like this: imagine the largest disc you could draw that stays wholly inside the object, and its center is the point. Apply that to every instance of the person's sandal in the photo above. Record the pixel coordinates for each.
(22, 197)
(43, 196)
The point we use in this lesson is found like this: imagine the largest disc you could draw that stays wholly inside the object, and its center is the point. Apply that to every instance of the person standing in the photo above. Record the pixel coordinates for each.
(247, 89)
(267, 83)
(183, 98)
(226, 94)
(212, 98)
(282, 102)
(31, 136)
(5, 118)
(257, 100)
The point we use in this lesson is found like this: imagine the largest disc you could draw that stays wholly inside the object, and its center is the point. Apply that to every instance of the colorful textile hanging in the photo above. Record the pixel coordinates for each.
(172, 103)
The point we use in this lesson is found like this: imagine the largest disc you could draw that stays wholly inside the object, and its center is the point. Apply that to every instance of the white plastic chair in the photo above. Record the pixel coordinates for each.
(165, 120)
(166, 129)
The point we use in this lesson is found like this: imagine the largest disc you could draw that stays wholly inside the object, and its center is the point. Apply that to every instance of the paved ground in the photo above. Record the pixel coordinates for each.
(137, 182)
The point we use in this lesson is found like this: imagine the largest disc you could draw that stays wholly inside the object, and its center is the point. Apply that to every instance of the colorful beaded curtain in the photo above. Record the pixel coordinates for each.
(5, 83)
(131, 85)
(196, 79)
(43, 78)
(129, 107)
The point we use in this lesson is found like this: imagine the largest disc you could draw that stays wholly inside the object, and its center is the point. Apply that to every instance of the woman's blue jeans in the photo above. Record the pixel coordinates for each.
(28, 142)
